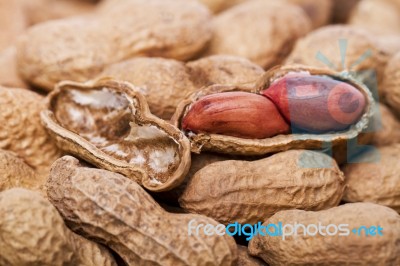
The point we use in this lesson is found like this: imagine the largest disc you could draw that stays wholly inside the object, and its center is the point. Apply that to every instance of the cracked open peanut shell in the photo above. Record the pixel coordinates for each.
(231, 143)
(108, 123)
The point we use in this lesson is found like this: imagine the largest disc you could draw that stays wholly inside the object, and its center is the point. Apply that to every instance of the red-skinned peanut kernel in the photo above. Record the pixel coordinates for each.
(316, 104)
(238, 114)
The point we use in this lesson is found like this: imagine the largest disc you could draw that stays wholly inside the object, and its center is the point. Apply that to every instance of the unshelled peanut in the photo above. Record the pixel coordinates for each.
(364, 56)
(9, 76)
(390, 88)
(119, 213)
(259, 31)
(359, 234)
(165, 82)
(79, 48)
(14, 172)
(34, 234)
(12, 22)
(379, 17)
(21, 130)
(385, 127)
(376, 179)
(248, 192)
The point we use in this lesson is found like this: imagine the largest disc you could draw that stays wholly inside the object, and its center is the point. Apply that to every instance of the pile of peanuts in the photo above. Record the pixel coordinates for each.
(138, 132)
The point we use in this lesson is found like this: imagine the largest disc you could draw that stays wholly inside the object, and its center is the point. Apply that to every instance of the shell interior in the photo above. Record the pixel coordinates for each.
(106, 119)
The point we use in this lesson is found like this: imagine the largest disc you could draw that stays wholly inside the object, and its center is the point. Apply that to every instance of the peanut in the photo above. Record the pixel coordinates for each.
(378, 17)
(33, 233)
(108, 124)
(247, 30)
(389, 44)
(165, 82)
(316, 104)
(249, 192)
(319, 12)
(43, 10)
(385, 127)
(12, 22)
(377, 180)
(198, 161)
(390, 88)
(9, 76)
(14, 172)
(311, 103)
(79, 48)
(21, 131)
(351, 249)
(323, 43)
(238, 114)
(223, 69)
(207, 140)
(120, 214)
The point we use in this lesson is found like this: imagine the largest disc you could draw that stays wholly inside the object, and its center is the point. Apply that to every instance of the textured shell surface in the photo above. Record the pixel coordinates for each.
(350, 249)
(120, 214)
(79, 48)
(33, 233)
(21, 131)
(376, 180)
(249, 192)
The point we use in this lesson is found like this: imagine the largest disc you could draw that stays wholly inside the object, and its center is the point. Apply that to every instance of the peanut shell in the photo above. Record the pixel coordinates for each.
(378, 17)
(386, 127)
(248, 192)
(108, 123)
(43, 10)
(377, 181)
(391, 82)
(14, 172)
(165, 82)
(198, 161)
(322, 48)
(233, 145)
(120, 214)
(13, 22)
(21, 131)
(319, 11)
(33, 233)
(9, 76)
(247, 30)
(389, 44)
(223, 69)
(80, 48)
(352, 249)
